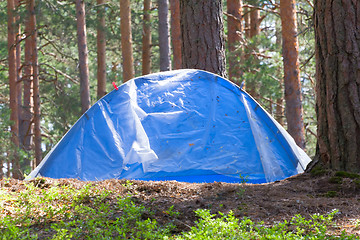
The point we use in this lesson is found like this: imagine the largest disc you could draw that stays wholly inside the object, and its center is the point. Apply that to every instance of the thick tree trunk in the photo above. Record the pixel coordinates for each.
(146, 40)
(176, 33)
(234, 10)
(164, 38)
(83, 56)
(126, 40)
(101, 50)
(337, 34)
(36, 92)
(293, 108)
(202, 33)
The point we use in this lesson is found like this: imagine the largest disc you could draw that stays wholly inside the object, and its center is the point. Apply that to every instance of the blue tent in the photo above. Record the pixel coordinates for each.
(184, 125)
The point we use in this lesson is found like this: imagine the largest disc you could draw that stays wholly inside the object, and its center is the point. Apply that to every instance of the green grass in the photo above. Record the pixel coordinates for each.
(64, 212)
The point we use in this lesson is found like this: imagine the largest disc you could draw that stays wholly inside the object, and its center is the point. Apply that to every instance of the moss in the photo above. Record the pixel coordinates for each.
(331, 194)
(335, 180)
(343, 174)
(318, 171)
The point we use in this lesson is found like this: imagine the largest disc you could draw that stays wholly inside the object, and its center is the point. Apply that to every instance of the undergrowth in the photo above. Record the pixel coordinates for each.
(64, 212)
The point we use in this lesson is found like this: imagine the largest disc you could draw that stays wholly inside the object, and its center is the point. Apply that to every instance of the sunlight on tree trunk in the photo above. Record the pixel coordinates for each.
(293, 99)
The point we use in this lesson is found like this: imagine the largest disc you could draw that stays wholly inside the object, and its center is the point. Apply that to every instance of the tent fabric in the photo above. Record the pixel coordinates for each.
(184, 125)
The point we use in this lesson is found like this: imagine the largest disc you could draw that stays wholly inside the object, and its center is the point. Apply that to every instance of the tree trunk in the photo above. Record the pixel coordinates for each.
(18, 66)
(202, 34)
(164, 39)
(247, 22)
(26, 129)
(146, 40)
(101, 50)
(83, 56)
(293, 108)
(279, 115)
(254, 30)
(234, 10)
(254, 22)
(36, 92)
(337, 35)
(176, 33)
(27, 107)
(13, 88)
(126, 40)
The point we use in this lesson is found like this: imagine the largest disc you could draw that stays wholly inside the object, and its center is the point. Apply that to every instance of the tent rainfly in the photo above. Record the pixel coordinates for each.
(184, 125)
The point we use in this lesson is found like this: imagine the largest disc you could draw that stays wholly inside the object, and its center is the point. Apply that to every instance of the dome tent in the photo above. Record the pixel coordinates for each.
(184, 125)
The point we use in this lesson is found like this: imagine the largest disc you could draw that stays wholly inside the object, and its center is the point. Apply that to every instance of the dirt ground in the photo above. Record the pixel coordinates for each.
(303, 194)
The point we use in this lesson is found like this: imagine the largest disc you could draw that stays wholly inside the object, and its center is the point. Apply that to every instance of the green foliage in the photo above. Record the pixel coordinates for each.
(229, 227)
(60, 211)
(350, 175)
(66, 213)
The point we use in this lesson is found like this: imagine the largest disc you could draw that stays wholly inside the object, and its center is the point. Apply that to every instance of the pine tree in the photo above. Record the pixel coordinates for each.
(293, 99)
(176, 33)
(146, 39)
(337, 88)
(234, 14)
(126, 40)
(202, 33)
(13, 87)
(164, 39)
(101, 50)
(83, 56)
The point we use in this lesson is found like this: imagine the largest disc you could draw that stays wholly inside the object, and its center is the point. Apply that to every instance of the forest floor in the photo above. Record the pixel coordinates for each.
(304, 194)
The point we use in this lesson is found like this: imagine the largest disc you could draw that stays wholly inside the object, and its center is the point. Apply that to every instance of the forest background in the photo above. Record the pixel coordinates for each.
(256, 55)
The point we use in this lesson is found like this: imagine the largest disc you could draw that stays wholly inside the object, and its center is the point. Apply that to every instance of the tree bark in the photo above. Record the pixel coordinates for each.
(279, 110)
(18, 66)
(254, 22)
(234, 10)
(13, 88)
(293, 99)
(83, 56)
(26, 127)
(146, 40)
(36, 92)
(164, 38)
(101, 50)
(247, 22)
(202, 34)
(254, 30)
(126, 40)
(176, 33)
(337, 35)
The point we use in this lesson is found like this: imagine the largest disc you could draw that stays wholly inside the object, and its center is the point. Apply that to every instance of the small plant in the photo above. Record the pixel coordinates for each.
(331, 194)
(241, 189)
